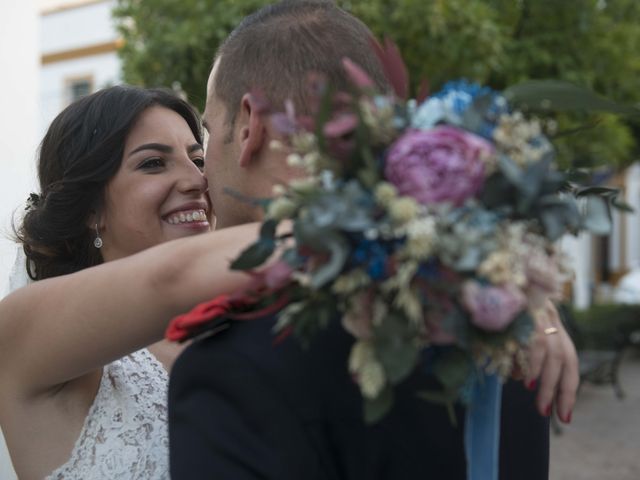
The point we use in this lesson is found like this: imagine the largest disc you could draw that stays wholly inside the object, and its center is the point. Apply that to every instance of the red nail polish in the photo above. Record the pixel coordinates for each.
(567, 419)
(532, 384)
(547, 411)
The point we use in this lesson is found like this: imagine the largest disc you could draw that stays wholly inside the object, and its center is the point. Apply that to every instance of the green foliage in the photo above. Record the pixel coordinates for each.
(591, 43)
(605, 325)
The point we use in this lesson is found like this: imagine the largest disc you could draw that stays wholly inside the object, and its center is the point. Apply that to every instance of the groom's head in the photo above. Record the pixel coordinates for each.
(272, 52)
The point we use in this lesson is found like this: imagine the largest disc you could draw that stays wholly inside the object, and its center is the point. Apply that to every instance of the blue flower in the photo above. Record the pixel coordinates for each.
(450, 104)
(372, 255)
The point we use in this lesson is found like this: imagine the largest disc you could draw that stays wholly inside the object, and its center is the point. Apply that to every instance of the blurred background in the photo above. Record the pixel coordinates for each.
(55, 51)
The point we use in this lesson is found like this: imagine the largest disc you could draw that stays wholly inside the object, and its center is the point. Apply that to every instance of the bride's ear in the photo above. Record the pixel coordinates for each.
(252, 131)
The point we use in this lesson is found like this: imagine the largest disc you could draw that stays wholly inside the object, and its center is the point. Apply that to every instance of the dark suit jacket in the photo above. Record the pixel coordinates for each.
(241, 408)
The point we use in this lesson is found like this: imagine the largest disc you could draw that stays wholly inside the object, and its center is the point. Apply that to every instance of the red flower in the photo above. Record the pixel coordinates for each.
(186, 325)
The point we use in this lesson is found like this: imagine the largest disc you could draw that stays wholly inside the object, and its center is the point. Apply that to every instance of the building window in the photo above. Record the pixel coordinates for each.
(78, 87)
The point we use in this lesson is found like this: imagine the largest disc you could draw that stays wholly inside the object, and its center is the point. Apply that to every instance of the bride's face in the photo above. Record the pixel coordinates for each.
(159, 192)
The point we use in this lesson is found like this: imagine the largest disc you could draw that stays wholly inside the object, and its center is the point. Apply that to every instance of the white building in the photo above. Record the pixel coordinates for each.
(52, 52)
(78, 44)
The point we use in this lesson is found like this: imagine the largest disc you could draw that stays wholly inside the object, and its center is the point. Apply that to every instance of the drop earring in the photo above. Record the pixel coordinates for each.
(98, 241)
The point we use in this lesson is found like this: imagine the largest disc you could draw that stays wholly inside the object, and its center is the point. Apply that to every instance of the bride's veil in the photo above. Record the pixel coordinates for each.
(18, 276)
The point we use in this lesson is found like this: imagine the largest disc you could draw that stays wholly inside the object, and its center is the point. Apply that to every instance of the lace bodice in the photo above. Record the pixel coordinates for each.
(125, 434)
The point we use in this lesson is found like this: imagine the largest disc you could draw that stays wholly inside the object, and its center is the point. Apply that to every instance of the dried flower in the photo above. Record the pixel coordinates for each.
(281, 208)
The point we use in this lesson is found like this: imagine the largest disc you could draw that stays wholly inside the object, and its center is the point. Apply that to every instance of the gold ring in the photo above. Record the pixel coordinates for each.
(550, 330)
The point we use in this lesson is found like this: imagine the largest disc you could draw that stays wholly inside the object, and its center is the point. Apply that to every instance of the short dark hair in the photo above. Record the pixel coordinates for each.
(274, 49)
(81, 151)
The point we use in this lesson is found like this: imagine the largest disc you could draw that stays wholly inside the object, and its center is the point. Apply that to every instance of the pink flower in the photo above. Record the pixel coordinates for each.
(492, 308)
(444, 164)
(277, 275)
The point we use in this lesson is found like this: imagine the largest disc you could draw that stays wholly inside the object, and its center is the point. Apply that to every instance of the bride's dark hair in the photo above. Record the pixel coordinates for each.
(80, 153)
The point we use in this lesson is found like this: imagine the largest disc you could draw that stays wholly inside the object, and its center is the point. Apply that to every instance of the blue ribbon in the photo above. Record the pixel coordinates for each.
(482, 428)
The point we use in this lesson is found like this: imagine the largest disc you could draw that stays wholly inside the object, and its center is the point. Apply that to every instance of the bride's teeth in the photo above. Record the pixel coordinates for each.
(195, 216)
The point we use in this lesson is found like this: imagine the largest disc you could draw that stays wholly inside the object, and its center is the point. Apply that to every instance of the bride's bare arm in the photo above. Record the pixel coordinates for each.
(58, 329)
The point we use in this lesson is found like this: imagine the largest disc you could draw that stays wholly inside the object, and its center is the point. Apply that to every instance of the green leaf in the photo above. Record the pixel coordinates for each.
(452, 369)
(557, 95)
(623, 206)
(254, 256)
(445, 398)
(591, 190)
(268, 229)
(376, 408)
(398, 358)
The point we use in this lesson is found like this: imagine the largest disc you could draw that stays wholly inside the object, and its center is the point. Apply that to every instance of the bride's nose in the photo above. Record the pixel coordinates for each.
(192, 180)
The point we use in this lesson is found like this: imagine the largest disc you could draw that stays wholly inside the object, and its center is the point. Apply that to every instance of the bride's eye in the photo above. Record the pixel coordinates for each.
(199, 162)
(153, 163)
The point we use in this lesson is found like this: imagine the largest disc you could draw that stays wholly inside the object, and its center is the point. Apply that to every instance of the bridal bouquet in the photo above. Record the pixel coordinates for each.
(428, 226)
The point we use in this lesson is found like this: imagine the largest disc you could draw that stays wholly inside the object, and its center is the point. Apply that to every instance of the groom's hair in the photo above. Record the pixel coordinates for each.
(274, 50)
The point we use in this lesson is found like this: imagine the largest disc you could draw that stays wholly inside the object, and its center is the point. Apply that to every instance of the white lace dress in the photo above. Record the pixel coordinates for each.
(125, 435)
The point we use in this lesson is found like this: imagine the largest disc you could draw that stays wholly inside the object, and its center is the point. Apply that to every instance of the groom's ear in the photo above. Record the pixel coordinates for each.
(252, 129)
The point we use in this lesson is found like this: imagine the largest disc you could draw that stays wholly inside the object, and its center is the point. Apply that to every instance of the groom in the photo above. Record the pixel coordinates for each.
(244, 408)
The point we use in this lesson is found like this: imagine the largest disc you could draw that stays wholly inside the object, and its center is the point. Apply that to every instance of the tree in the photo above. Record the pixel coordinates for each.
(592, 43)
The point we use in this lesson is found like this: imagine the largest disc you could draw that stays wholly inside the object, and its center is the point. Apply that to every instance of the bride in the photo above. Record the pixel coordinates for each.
(83, 370)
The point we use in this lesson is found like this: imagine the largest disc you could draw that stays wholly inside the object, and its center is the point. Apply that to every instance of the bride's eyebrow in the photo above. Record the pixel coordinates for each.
(158, 147)
(195, 147)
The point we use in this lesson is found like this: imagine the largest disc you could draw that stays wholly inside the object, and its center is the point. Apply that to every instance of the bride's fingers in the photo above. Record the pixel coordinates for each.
(550, 375)
(536, 355)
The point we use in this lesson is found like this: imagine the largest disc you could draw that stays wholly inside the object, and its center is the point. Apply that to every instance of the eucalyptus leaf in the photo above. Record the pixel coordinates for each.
(596, 218)
(622, 206)
(376, 408)
(498, 191)
(522, 327)
(339, 250)
(531, 183)
(558, 95)
(470, 259)
(512, 172)
(553, 224)
(308, 233)
(593, 190)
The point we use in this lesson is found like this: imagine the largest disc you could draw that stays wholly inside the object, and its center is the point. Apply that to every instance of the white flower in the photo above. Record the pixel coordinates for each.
(369, 372)
(503, 267)
(402, 210)
(281, 208)
(303, 185)
(294, 160)
(385, 193)
(350, 282)
(421, 238)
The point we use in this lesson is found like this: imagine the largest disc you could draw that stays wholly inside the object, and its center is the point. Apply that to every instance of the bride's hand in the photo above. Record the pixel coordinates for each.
(553, 365)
